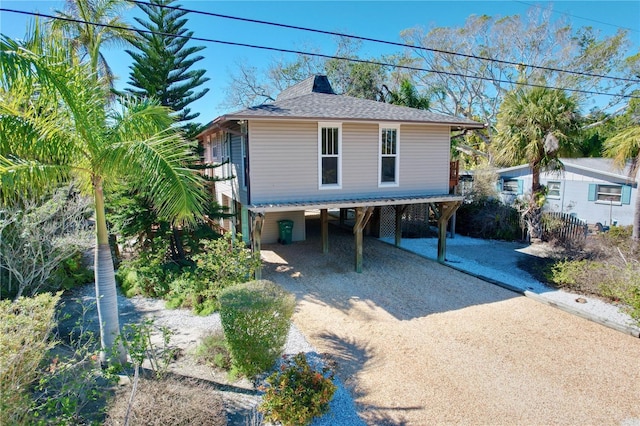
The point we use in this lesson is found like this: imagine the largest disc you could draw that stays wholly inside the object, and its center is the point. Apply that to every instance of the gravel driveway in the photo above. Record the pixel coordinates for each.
(419, 343)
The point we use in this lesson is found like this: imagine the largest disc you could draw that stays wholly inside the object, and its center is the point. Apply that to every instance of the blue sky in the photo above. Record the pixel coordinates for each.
(375, 19)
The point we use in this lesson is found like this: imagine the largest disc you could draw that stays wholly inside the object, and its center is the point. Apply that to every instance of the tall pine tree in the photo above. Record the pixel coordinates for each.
(161, 62)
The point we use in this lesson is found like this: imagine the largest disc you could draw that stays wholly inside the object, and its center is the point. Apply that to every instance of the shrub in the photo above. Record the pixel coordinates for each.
(487, 218)
(297, 392)
(256, 317)
(148, 275)
(222, 262)
(25, 327)
(168, 402)
(213, 351)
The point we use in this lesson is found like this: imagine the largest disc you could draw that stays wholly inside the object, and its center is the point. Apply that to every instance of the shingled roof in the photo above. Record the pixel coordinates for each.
(314, 99)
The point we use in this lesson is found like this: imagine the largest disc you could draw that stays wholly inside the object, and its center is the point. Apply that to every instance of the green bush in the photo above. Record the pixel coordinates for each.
(256, 317)
(148, 275)
(25, 328)
(221, 263)
(71, 273)
(297, 392)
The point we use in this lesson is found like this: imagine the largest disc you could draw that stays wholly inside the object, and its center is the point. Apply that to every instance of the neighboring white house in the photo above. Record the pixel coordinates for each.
(593, 189)
(313, 149)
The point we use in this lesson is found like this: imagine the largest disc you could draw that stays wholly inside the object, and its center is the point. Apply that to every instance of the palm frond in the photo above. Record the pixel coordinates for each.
(158, 164)
(29, 178)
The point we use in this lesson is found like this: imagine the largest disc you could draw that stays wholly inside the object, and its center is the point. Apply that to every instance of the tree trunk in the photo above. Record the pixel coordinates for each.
(105, 281)
(636, 219)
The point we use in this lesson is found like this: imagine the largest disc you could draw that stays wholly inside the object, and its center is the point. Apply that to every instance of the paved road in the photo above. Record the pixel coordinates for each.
(418, 343)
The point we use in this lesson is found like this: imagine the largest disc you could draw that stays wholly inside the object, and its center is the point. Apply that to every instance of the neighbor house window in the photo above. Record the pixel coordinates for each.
(609, 193)
(553, 190)
(513, 186)
(330, 159)
(389, 137)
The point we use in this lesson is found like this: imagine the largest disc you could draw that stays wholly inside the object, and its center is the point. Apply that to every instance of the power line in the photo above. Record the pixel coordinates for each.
(320, 55)
(575, 16)
(392, 43)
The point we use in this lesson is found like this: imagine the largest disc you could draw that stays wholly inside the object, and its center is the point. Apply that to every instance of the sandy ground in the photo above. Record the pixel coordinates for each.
(418, 343)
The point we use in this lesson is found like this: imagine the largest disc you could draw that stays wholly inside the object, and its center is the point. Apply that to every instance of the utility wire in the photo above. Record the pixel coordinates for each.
(575, 16)
(320, 55)
(392, 43)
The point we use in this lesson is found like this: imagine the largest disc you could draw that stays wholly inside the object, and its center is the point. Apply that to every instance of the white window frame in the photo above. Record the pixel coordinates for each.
(396, 127)
(549, 189)
(329, 125)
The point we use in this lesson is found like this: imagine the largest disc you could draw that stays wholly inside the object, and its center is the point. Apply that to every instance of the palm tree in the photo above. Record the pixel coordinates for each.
(625, 146)
(535, 125)
(55, 126)
(89, 39)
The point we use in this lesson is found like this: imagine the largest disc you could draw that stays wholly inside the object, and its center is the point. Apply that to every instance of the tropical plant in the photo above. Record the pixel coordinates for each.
(162, 62)
(535, 126)
(55, 125)
(77, 21)
(625, 146)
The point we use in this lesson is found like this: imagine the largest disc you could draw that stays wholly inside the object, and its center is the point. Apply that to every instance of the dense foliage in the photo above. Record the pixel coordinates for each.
(256, 317)
(297, 392)
(25, 328)
(162, 62)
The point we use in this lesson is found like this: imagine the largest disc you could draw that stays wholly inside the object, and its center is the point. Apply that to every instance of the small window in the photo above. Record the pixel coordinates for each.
(609, 193)
(511, 186)
(388, 155)
(329, 141)
(553, 190)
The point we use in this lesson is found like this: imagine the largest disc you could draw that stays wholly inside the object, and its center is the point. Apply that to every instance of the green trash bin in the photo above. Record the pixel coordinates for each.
(286, 231)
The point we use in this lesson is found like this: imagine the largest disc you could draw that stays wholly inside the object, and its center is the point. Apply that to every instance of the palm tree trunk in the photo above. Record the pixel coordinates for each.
(636, 218)
(106, 296)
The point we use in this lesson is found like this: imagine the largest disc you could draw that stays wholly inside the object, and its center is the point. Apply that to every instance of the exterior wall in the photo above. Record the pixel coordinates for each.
(271, 231)
(284, 161)
(574, 196)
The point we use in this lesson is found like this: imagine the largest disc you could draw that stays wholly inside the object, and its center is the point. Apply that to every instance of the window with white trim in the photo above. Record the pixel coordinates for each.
(553, 190)
(388, 161)
(330, 155)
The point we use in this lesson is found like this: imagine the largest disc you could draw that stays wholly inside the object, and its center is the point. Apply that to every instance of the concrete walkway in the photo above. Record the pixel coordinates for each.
(418, 343)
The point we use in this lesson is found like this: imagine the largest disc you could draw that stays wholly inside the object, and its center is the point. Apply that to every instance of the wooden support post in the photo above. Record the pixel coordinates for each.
(343, 215)
(400, 209)
(363, 214)
(358, 232)
(324, 229)
(256, 239)
(443, 212)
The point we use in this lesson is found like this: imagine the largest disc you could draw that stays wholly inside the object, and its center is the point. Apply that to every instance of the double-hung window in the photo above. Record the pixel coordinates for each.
(388, 160)
(330, 155)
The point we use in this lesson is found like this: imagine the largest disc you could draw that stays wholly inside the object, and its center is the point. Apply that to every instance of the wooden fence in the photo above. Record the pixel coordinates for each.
(562, 226)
